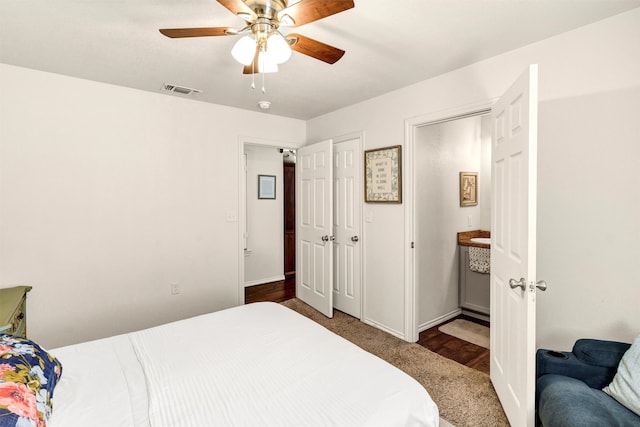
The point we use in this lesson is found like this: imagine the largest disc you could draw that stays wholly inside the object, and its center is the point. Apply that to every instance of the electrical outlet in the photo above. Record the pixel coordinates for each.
(175, 288)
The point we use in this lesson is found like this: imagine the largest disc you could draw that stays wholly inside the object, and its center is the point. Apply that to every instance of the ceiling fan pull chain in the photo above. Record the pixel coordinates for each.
(263, 89)
(253, 75)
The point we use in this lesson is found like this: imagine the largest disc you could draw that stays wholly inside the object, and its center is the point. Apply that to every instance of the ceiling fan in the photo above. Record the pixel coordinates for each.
(264, 46)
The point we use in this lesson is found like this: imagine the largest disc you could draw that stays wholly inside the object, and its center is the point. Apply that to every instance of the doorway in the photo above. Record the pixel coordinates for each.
(262, 245)
(415, 321)
(264, 227)
(513, 225)
(346, 279)
(443, 151)
(289, 196)
(280, 290)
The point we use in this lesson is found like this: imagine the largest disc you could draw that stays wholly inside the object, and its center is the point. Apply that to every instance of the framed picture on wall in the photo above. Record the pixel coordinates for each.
(468, 188)
(383, 175)
(266, 187)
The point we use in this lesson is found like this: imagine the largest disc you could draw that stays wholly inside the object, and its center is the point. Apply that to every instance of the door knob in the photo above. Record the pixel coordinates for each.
(325, 238)
(354, 238)
(522, 283)
(542, 285)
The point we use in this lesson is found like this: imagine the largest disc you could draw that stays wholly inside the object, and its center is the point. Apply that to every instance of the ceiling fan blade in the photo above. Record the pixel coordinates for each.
(236, 6)
(314, 48)
(307, 11)
(248, 69)
(195, 32)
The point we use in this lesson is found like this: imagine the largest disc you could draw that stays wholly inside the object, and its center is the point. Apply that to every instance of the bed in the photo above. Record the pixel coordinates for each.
(260, 364)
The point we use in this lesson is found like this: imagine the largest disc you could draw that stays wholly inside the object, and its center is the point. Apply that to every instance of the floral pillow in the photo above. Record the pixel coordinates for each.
(28, 376)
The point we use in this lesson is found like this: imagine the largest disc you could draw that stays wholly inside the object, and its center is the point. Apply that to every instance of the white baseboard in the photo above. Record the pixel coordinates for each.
(263, 281)
(480, 316)
(382, 327)
(439, 320)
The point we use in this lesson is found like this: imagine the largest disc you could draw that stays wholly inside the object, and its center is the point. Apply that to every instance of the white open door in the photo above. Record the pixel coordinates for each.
(347, 187)
(513, 248)
(314, 225)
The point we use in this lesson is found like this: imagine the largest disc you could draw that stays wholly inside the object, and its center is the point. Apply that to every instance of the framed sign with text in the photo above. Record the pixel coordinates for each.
(383, 175)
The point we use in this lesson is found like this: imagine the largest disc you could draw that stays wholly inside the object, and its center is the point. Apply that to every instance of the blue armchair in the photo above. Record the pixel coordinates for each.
(569, 386)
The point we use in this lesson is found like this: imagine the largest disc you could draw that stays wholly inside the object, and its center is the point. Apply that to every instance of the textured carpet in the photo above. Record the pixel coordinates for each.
(467, 331)
(465, 397)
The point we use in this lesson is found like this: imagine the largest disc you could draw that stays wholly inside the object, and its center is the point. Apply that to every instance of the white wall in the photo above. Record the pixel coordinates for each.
(264, 258)
(589, 217)
(484, 198)
(587, 188)
(108, 195)
(441, 152)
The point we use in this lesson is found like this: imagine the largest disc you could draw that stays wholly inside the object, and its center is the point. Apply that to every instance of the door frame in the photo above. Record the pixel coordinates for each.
(411, 320)
(242, 196)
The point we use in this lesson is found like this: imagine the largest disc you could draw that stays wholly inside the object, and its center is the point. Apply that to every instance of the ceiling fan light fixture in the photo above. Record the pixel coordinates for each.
(278, 49)
(244, 50)
(266, 64)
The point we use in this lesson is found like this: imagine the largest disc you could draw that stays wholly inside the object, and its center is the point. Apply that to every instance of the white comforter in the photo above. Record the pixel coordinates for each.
(253, 365)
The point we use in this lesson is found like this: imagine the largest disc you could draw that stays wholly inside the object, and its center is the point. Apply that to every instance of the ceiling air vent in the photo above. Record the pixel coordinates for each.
(180, 89)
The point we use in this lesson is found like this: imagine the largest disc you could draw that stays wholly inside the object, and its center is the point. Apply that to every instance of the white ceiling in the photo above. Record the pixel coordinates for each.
(389, 44)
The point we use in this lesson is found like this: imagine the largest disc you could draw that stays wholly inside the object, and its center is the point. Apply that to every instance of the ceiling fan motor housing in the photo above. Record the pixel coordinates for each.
(263, 27)
(266, 8)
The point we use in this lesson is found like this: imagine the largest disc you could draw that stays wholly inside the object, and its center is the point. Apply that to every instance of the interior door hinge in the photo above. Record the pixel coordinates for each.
(413, 245)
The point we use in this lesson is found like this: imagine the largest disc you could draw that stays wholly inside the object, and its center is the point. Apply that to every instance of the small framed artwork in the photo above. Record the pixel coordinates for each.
(266, 187)
(383, 175)
(468, 188)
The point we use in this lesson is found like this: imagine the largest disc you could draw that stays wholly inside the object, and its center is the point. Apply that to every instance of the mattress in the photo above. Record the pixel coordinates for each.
(260, 364)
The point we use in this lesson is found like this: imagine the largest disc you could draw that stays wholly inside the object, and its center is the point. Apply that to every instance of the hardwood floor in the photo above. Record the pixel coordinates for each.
(461, 351)
(275, 291)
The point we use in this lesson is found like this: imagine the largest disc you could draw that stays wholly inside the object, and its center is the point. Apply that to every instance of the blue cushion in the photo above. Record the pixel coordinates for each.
(28, 377)
(567, 364)
(600, 353)
(568, 402)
